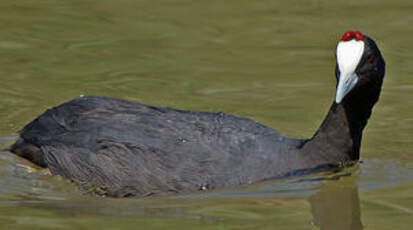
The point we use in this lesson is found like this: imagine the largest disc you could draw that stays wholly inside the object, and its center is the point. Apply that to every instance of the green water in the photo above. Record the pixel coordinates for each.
(272, 61)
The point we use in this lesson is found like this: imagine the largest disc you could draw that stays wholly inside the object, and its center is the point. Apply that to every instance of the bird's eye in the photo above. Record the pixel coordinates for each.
(370, 58)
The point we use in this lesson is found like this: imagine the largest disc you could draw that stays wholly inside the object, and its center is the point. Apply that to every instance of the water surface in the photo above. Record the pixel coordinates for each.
(271, 61)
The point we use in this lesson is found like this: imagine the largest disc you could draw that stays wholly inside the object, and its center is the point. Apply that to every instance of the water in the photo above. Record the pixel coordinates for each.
(272, 61)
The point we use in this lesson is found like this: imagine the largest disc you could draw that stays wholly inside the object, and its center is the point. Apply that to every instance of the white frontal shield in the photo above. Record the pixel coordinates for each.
(349, 54)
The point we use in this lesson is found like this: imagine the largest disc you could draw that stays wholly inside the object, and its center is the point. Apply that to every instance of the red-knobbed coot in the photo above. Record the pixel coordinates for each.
(130, 149)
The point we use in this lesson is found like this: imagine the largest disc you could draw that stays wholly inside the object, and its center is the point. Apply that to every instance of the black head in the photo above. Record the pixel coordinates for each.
(360, 68)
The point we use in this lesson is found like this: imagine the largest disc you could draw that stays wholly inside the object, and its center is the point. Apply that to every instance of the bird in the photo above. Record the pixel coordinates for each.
(129, 149)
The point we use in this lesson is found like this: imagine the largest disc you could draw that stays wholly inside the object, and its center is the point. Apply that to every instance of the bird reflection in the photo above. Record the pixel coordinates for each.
(337, 206)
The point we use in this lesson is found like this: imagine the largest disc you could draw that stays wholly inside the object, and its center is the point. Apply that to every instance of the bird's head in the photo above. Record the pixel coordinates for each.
(360, 67)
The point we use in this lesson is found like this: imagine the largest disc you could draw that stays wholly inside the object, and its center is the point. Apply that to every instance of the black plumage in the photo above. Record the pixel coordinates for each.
(130, 149)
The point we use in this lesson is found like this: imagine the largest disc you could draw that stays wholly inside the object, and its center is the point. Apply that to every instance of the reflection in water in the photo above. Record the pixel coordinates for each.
(337, 206)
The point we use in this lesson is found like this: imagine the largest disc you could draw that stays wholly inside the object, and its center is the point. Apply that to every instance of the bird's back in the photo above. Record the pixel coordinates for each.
(132, 149)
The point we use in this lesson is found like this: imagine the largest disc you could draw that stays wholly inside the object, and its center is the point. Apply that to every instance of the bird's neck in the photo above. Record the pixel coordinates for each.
(339, 137)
